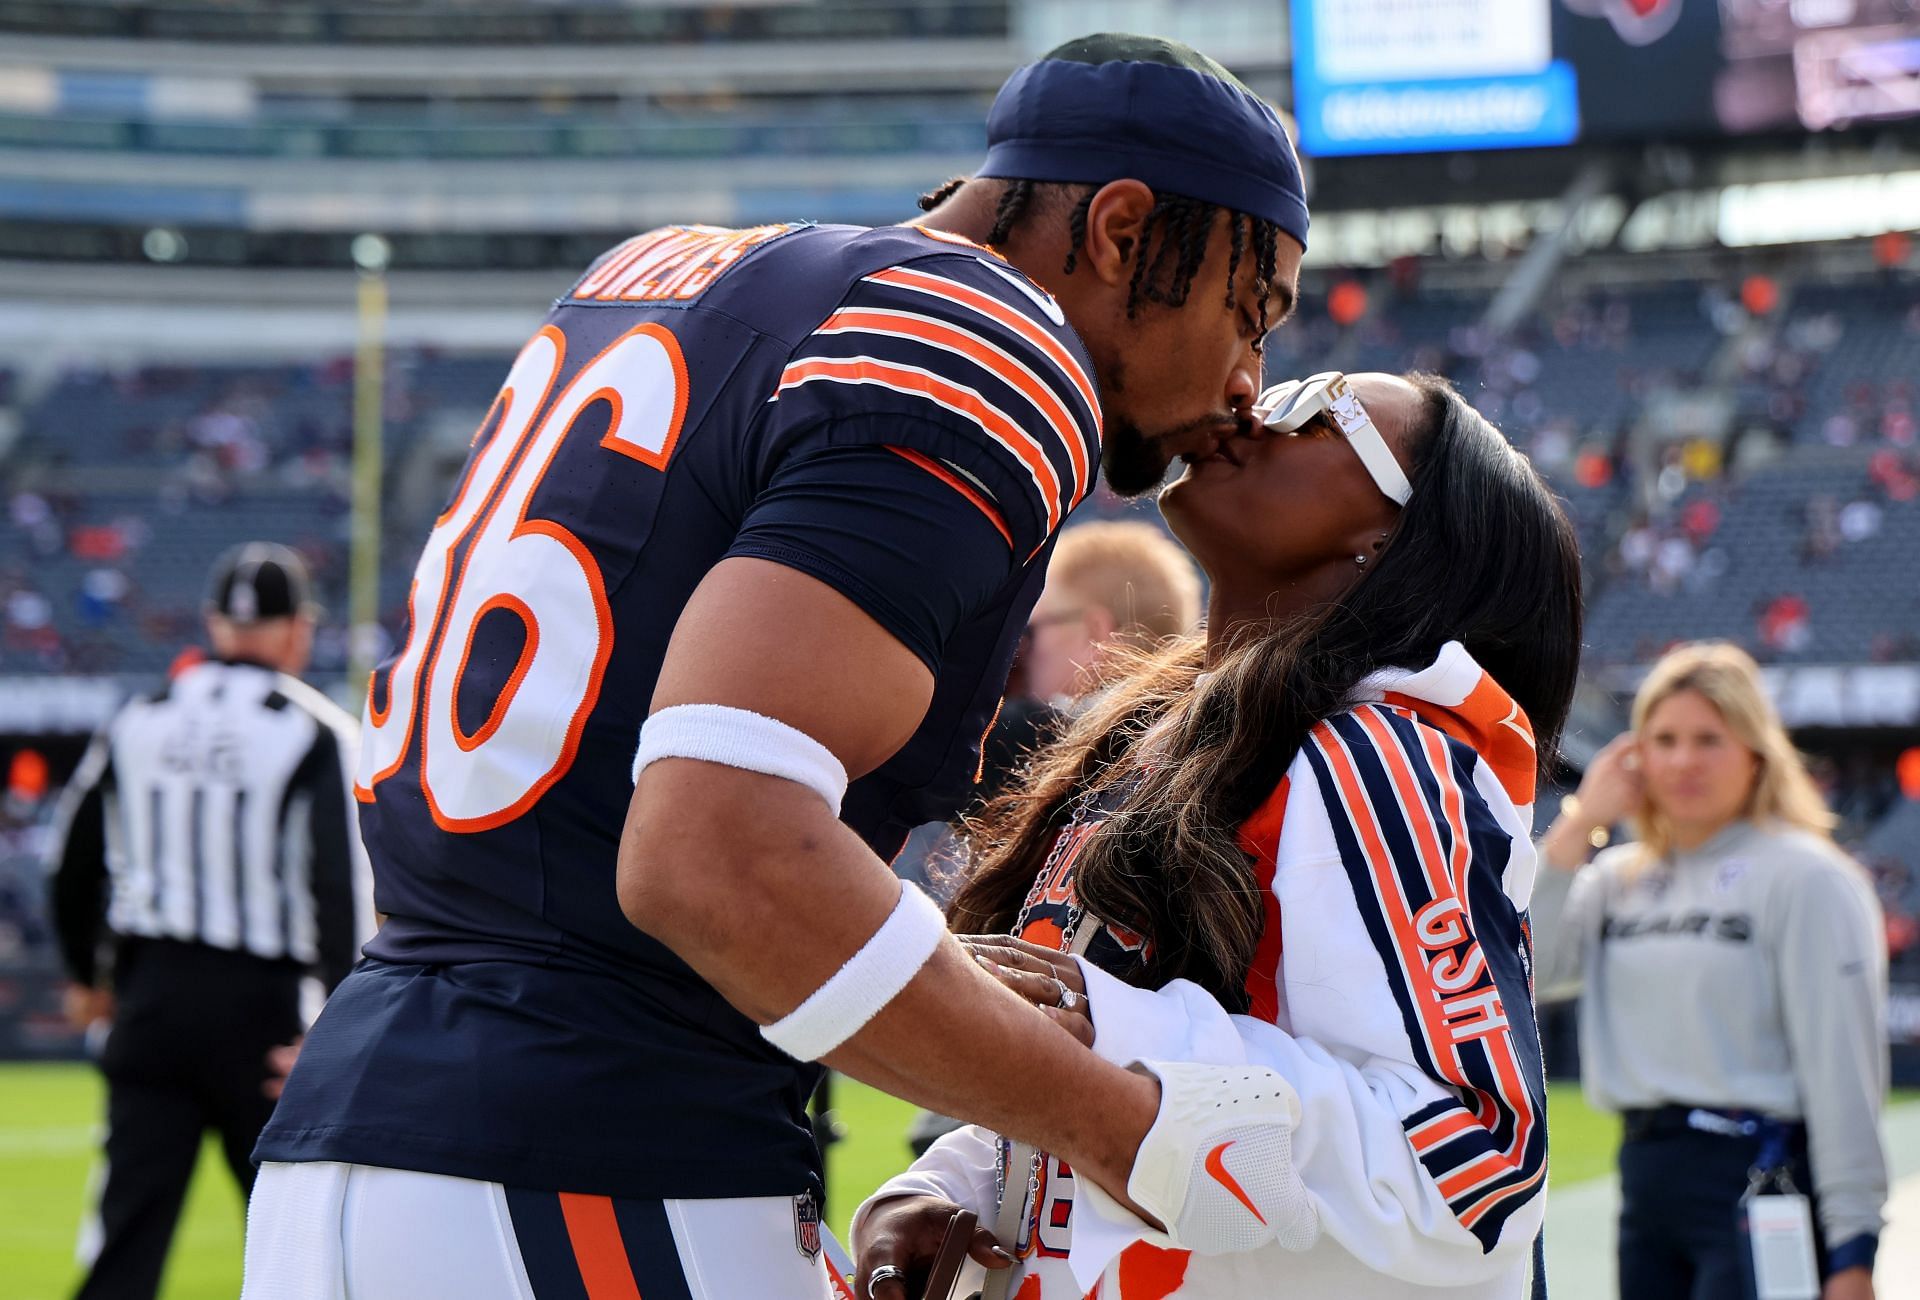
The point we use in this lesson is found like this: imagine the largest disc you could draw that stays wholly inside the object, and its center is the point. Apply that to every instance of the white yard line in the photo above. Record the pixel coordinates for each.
(48, 1141)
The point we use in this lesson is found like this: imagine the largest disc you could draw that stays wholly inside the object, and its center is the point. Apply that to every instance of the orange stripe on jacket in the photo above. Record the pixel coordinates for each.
(594, 1233)
(1481, 1169)
(1493, 726)
(991, 307)
(965, 489)
(953, 397)
(1453, 807)
(1478, 1210)
(1260, 839)
(992, 358)
(1499, 1047)
(1413, 803)
(1444, 1129)
(1511, 1095)
(1394, 906)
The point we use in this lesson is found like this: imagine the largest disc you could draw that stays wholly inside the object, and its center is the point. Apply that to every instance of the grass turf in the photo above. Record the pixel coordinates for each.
(49, 1116)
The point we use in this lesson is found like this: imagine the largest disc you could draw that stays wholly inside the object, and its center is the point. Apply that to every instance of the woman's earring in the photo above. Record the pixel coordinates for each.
(1360, 560)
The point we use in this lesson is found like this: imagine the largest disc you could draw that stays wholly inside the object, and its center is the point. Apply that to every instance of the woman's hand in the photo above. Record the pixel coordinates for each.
(1614, 783)
(905, 1233)
(1611, 790)
(1849, 1284)
(1047, 978)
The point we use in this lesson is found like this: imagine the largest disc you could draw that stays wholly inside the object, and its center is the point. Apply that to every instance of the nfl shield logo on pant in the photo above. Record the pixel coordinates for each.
(806, 1225)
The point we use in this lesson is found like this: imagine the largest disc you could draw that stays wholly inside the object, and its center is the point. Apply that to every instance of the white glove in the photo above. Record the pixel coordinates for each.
(1217, 1166)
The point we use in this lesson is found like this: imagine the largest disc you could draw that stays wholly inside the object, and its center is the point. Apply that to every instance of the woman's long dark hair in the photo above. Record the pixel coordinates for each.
(1481, 554)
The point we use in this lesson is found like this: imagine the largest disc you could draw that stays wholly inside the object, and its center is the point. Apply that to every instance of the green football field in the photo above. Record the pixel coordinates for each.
(49, 1116)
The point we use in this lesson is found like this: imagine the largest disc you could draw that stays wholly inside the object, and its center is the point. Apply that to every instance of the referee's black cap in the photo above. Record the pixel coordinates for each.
(258, 581)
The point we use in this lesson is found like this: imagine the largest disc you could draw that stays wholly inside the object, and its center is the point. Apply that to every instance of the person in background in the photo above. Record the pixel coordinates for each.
(1734, 982)
(219, 815)
(1111, 586)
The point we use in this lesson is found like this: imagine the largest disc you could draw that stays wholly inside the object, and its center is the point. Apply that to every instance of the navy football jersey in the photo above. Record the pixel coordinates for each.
(894, 412)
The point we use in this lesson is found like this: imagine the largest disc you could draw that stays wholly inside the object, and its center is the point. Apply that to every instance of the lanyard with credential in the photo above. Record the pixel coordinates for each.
(1021, 1155)
(1776, 1219)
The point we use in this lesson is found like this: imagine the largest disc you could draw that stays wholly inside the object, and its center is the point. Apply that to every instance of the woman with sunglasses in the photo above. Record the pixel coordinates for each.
(1297, 847)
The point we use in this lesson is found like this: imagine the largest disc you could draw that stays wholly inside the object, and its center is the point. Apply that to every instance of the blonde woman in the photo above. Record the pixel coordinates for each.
(1734, 982)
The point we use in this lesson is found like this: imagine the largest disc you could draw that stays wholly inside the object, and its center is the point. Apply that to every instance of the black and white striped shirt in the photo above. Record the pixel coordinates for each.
(219, 812)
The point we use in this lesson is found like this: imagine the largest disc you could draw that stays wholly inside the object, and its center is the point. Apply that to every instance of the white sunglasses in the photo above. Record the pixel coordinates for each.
(1289, 406)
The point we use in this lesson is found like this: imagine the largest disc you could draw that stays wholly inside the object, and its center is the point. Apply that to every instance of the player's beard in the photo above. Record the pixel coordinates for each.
(1135, 461)
(1132, 461)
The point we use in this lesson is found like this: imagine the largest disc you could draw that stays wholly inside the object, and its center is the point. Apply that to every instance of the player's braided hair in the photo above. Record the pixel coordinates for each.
(934, 198)
(1183, 226)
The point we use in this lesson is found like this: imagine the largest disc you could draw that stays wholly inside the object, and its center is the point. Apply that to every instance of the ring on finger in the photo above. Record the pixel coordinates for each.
(885, 1273)
(1068, 999)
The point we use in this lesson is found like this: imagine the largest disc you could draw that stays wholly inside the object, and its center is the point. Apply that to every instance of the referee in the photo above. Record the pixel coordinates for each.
(218, 818)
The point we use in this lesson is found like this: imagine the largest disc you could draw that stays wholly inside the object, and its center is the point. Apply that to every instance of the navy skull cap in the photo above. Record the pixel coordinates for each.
(1116, 106)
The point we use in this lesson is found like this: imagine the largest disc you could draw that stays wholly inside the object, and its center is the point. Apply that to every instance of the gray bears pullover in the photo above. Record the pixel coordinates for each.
(1749, 974)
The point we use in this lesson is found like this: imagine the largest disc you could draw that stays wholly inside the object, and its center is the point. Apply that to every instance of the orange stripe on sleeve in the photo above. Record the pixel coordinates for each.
(1395, 908)
(1435, 1132)
(594, 1233)
(1477, 1211)
(1413, 804)
(1260, 839)
(966, 490)
(991, 307)
(995, 360)
(1482, 1169)
(954, 397)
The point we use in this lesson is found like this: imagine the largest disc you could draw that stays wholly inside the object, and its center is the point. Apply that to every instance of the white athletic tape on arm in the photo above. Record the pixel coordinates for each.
(872, 977)
(718, 733)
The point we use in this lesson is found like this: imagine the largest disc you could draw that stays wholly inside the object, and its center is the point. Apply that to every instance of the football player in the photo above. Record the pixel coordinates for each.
(769, 506)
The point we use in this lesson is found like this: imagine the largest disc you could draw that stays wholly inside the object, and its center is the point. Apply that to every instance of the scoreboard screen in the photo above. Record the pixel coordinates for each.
(1408, 76)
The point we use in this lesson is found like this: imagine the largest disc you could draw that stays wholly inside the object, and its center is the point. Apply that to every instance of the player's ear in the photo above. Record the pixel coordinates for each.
(1116, 220)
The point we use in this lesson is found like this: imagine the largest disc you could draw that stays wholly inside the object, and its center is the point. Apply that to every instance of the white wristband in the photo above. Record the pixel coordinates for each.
(719, 733)
(872, 977)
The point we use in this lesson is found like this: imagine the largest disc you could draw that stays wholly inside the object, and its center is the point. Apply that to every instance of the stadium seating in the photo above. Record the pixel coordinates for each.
(126, 486)
(1792, 558)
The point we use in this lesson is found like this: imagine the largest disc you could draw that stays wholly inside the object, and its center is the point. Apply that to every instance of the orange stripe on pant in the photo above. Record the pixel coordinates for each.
(597, 1247)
